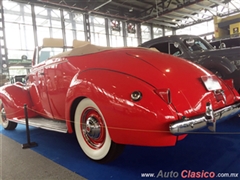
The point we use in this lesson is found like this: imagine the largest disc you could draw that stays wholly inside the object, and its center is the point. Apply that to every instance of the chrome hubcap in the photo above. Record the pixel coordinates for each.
(93, 128)
(3, 115)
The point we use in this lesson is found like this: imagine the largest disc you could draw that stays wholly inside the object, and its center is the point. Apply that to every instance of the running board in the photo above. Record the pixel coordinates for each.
(40, 122)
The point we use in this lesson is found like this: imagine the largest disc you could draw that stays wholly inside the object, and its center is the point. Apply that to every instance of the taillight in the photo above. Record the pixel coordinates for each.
(220, 96)
(164, 94)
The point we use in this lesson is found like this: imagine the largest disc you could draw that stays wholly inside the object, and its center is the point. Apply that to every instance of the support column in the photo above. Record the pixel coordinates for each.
(173, 31)
(163, 30)
(139, 33)
(34, 25)
(74, 27)
(63, 28)
(50, 20)
(23, 28)
(107, 31)
(151, 31)
(124, 29)
(87, 31)
(3, 48)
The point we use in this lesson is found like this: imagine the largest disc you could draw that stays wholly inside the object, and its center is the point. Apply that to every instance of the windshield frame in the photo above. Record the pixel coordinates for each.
(54, 51)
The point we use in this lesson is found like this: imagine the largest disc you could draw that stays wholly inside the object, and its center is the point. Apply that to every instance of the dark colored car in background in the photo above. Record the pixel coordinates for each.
(199, 51)
(230, 42)
(18, 78)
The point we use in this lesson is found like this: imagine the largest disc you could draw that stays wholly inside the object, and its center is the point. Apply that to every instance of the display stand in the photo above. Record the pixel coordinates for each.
(29, 144)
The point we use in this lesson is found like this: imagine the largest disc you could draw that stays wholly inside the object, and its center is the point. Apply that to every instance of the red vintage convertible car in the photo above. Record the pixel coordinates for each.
(111, 97)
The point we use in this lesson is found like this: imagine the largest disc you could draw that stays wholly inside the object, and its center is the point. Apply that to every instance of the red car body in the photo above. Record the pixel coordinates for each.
(143, 97)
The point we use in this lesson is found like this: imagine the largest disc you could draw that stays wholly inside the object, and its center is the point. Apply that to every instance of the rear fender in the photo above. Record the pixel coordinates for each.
(235, 76)
(143, 122)
(13, 98)
(218, 63)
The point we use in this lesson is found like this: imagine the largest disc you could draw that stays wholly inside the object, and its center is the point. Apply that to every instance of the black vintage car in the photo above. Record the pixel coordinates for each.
(18, 78)
(199, 51)
(231, 42)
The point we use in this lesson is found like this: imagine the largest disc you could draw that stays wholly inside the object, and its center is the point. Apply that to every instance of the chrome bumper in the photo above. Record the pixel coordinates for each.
(209, 119)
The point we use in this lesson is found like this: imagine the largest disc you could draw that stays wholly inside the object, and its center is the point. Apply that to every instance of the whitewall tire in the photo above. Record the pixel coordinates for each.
(92, 133)
(8, 125)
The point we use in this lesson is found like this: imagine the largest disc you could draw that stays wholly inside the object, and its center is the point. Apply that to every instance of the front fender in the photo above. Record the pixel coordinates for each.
(145, 122)
(13, 98)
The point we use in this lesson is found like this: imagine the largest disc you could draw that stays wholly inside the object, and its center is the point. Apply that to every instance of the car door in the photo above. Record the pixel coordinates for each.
(58, 76)
(37, 85)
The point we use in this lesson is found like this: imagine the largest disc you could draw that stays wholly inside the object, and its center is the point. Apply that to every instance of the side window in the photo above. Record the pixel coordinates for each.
(162, 47)
(175, 51)
(43, 55)
(46, 53)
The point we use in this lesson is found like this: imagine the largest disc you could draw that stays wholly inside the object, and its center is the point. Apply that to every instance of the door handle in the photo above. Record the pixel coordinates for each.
(42, 73)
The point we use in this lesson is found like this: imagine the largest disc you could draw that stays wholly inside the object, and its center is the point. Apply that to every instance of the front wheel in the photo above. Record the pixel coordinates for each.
(8, 125)
(92, 133)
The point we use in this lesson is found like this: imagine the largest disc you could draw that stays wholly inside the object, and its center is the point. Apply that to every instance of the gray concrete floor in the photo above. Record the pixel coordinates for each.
(19, 164)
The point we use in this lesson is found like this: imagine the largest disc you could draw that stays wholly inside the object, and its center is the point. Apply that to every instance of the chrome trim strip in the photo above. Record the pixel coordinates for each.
(209, 119)
(43, 123)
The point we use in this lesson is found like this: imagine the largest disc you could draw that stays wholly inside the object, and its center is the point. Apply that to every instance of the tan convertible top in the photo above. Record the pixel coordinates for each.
(79, 47)
(87, 49)
(82, 50)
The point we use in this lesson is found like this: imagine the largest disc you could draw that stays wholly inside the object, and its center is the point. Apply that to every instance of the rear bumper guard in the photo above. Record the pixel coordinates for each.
(209, 119)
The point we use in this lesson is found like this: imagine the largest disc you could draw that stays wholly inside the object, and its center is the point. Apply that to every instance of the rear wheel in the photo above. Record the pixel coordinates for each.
(92, 133)
(8, 125)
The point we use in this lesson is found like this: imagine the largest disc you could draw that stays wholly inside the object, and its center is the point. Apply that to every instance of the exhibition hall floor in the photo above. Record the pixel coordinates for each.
(58, 156)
